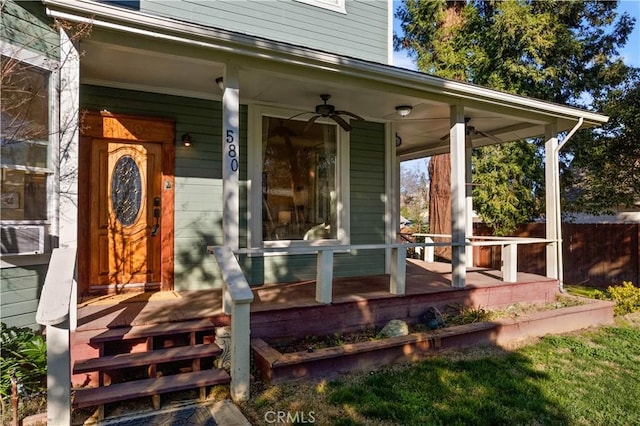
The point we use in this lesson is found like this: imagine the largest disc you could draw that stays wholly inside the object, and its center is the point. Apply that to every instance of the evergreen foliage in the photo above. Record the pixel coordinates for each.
(605, 168)
(566, 52)
(23, 357)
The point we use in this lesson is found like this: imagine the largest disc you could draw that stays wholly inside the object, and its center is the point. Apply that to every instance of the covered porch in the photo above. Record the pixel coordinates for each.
(426, 283)
(237, 98)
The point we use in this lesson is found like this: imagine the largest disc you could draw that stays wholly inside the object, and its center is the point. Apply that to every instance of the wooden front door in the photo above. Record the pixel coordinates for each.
(127, 179)
(126, 202)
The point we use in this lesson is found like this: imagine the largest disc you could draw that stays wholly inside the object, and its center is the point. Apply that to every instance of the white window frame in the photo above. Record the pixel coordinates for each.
(254, 176)
(335, 6)
(51, 66)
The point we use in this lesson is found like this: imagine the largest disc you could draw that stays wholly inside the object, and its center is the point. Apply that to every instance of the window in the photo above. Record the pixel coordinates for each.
(334, 5)
(24, 142)
(299, 176)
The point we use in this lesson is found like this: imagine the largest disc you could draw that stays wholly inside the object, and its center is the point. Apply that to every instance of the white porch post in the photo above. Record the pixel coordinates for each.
(468, 201)
(458, 203)
(66, 159)
(392, 199)
(231, 157)
(551, 172)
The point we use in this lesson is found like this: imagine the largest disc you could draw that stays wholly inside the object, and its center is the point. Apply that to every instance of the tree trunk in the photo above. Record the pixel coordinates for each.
(440, 201)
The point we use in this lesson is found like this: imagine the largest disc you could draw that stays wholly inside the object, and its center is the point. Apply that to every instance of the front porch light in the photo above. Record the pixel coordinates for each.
(404, 110)
(186, 140)
(220, 83)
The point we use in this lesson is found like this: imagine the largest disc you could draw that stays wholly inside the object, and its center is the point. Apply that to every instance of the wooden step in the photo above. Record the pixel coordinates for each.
(142, 331)
(89, 397)
(137, 359)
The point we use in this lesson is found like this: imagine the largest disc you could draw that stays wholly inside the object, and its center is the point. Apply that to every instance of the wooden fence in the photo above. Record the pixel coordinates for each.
(593, 254)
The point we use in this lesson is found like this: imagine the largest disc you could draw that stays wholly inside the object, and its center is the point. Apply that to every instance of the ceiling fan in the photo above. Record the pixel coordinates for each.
(473, 133)
(326, 110)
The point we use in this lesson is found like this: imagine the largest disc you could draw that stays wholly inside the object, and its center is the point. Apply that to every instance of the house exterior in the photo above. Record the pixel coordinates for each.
(167, 127)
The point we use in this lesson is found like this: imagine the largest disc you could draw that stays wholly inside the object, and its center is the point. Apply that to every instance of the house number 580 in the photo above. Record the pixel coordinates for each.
(231, 150)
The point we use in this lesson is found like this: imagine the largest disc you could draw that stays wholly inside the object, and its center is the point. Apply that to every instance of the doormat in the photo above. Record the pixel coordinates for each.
(112, 299)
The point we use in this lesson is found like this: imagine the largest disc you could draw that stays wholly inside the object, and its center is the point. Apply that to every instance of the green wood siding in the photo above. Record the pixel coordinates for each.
(361, 32)
(367, 199)
(25, 25)
(198, 173)
(20, 290)
(198, 191)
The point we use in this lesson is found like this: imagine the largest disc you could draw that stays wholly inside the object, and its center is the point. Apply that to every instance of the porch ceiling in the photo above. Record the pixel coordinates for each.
(118, 59)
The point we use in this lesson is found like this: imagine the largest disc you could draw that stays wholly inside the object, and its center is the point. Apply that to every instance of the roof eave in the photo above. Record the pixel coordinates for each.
(113, 17)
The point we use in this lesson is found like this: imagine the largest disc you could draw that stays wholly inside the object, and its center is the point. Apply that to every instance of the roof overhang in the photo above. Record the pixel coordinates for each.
(130, 49)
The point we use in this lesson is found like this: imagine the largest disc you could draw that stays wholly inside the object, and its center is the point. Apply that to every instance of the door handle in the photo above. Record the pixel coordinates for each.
(156, 214)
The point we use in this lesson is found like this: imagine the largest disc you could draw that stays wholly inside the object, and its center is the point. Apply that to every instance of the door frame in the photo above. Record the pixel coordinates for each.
(105, 125)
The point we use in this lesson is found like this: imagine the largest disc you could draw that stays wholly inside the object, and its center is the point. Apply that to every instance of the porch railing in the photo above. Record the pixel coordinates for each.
(324, 262)
(325, 254)
(57, 311)
(236, 301)
(509, 247)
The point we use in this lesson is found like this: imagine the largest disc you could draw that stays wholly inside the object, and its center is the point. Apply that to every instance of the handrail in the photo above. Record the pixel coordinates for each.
(56, 310)
(508, 241)
(55, 299)
(236, 301)
(232, 274)
(312, 249)
(498, 240)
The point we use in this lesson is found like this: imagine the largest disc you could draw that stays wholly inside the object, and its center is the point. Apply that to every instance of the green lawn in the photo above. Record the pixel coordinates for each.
(587, 378)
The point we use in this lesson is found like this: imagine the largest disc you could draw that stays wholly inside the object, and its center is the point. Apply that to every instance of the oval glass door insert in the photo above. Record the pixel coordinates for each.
(126, 190)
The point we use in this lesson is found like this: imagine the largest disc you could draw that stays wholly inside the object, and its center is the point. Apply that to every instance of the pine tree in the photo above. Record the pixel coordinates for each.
(563, 52)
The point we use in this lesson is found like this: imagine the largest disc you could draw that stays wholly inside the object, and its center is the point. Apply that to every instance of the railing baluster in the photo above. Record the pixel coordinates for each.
(398, 270)
(324, 278)
(509, 263)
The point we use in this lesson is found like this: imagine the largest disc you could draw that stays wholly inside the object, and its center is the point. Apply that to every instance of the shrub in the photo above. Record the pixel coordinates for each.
(626, 296)
(462, 315)
(23, 356)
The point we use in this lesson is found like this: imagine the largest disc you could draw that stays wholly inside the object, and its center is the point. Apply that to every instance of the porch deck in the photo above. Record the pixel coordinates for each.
(367, 297)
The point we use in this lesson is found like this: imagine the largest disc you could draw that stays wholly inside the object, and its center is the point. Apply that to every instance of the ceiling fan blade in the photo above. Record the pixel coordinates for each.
(310, 123)
(341, 122)
(488, 135)
(299, 114)
(357, 117)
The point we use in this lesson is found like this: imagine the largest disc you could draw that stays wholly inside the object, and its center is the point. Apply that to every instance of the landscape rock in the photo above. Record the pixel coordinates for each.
(432, 318)
(395, 328)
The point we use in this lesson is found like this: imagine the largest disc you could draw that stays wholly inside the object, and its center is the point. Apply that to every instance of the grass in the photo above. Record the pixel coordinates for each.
(586, 378)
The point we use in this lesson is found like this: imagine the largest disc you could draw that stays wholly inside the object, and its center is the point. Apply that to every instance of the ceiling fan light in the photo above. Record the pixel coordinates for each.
(404, 110)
